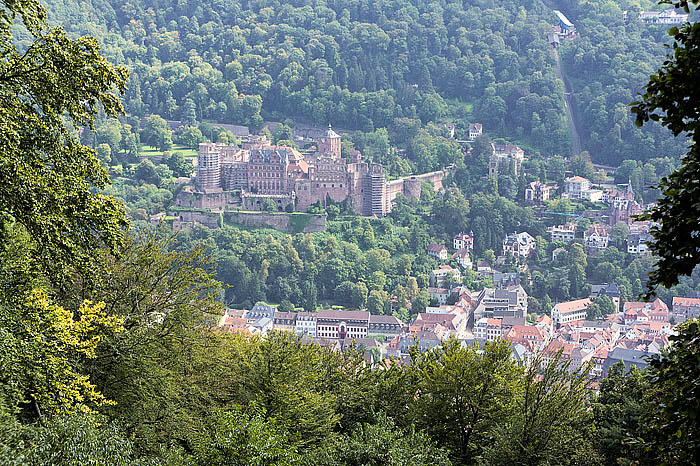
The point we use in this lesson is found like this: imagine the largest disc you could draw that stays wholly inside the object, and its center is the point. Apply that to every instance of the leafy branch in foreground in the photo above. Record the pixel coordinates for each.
(672, 97)
(47, 178)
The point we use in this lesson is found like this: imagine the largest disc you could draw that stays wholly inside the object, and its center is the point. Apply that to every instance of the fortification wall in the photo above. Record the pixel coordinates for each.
(291, 223)
(435, 178)
(410, 186)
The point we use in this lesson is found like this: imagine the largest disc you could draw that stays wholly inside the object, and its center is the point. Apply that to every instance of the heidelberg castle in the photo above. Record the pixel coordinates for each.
(259, 171)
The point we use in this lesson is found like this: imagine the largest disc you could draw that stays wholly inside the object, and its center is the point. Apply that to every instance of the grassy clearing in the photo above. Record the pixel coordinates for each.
(150, 151)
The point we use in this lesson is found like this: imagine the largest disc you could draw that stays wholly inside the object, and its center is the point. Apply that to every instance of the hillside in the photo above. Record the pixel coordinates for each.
(358, 65)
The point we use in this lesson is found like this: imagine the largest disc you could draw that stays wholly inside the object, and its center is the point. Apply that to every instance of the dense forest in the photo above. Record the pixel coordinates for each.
(608, 64)
(363, 65)
(358, 65)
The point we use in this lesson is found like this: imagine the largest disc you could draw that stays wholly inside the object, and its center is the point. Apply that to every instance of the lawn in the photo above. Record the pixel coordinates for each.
(150, 151)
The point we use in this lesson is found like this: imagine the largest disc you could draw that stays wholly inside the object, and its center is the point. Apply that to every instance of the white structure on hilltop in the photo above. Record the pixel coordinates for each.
(475, 130)
(669, 16)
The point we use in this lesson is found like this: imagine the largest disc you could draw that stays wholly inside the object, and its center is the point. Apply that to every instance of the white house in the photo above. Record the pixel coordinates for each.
(439, 275)
(669, 16)
(438, 251)
(565, 233)
(597, 236)
(519, 244)
(475, 130)
(576, 186)
(463, 241)
(570, 311)
(463, 259)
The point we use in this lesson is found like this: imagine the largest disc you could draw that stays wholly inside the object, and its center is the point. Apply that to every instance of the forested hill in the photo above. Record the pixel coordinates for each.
(356, 64)
(609, 64)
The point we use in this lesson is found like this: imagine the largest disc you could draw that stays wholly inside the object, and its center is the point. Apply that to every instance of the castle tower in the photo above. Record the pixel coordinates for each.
(329, 143)
(377, 188)
(208, 166)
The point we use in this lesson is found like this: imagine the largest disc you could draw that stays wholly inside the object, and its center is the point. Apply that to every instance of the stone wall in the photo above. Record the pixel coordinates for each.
(410, 186)
(292, 223)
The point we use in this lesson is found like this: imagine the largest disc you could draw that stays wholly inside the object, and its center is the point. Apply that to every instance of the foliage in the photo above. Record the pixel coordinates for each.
(617, 412)
(609, 61)
(69, 440)
(47, 178)
(245, 438)
(381, 444)
(461, 394)
(551, 424)
(360, 67)
(672, 416)
(670, 98)
(42, 344)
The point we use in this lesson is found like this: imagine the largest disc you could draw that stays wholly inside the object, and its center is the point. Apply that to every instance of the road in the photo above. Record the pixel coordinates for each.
(569, 103)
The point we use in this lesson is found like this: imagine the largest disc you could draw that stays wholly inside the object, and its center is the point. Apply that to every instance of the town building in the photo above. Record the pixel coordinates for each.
(505, 159)
(538, 192)
(597, 237)
(565, 233)
(519, 245)
(488, 329)
(260, 311)
(438, 251)
(636, 312)
(684, 309)
(530, 335)
(571, 311)
(384, 325)
(578, 187)
(495, 303)
(475, 130)
(438, 295)
(463, 258)
(342, 324)
(425, 341)
(637, 243)
(610, 290)
(624, 211)
(628, 357)
(439, 276)
(305, 324)
(285, 321)
(463, 241)
(669, 16)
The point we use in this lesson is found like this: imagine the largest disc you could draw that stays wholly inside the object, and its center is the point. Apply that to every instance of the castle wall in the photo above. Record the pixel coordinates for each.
(292, 223)
(220, 200)
(257, 201)
(434, 178)
(411, 186)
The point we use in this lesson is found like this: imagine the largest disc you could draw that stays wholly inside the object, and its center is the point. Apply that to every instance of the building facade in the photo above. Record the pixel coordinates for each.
(342, 324)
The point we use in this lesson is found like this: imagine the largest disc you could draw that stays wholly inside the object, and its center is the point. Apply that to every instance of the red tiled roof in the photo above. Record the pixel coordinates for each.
(343, 315)
(679, 301)
(571, 306)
